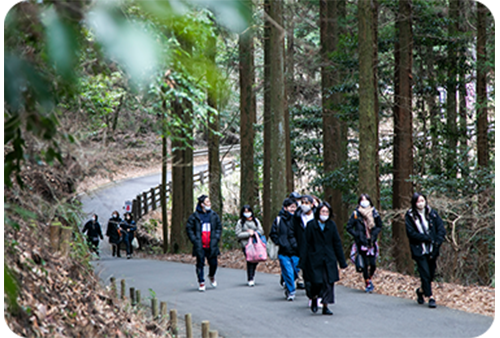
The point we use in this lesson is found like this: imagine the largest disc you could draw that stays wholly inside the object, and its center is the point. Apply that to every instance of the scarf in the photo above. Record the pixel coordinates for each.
(423, 227)
(367, 214)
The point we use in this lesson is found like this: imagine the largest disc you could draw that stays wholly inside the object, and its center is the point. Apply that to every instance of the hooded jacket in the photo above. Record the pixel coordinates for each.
(435, 235)
(93, 230)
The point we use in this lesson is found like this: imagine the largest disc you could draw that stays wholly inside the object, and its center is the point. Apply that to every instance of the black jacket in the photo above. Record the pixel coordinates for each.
(193, 229)
(112, 230)
(356, 227)
(93, 230)
(300, 236)
(435, 236)
(282, 234)
(323, 252)
(128, 228)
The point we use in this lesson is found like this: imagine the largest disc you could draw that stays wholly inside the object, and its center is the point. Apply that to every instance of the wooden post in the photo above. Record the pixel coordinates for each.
(205, 328)
(213, 334)
(189, 326)
(173, 321)
(132, 296)
(153, 199)
(113, 287)
(154, 307)
(135, 209)
(139, 207)
(122, 291)
(201, 174)
(145, 202)
(55, 234)
(163, 309)
(65, 240)
(137, 297)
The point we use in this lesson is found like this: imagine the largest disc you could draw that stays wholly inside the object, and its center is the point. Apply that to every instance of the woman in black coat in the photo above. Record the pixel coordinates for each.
(113, 232)
(365, 225)
(426, 233)
(323, 253)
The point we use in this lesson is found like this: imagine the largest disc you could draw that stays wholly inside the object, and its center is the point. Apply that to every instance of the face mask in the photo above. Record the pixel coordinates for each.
(364, 203)
(324, 218)
(247, 214)
(420, 205)
(299, 203)
(305, 208)
(207, 208)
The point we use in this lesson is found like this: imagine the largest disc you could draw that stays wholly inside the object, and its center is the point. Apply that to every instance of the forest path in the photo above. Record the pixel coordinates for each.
(236, 310)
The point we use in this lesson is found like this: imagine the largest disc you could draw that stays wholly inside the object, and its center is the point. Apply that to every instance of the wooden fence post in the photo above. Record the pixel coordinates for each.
(173, 321)
(55, 234)
(205, 328)
(132, 296)
(139, 207)
(213, 334)
(122, 291)
(145, 202)
(113, 287)
(153, 198)
(163, 309)
(135, 209)
(65, 240)
(189, 326)
(154, 307)
(137, 297)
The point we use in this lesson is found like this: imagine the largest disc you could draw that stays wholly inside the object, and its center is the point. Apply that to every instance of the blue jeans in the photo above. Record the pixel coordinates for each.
(289, 271)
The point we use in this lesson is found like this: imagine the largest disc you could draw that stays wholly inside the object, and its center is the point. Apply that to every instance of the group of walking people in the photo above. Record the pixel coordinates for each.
(118, 231)
(310, 248)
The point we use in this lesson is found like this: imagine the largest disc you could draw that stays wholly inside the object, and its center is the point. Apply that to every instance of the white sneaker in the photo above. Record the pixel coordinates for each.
(319, 303)
(213, 282)
(201, 287)
(251, 283)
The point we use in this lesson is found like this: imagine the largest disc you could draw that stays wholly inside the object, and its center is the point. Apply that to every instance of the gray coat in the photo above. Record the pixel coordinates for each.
(242, 233)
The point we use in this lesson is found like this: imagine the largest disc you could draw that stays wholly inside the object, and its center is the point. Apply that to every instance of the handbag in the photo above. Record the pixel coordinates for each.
(356, 258)
(273, 248)
(255, 250)
(135, 243)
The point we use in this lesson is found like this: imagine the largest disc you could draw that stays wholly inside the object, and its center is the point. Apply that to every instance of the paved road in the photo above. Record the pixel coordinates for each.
(236, 310)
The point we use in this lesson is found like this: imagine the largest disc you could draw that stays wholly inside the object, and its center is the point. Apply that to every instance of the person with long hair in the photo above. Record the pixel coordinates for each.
(323, 253)
(426, 233)
(365, 225)
(248, 226)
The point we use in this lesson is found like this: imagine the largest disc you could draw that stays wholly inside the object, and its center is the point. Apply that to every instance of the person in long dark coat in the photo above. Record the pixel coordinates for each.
(127, 229)
(426, 233)
(113, 233)
(204, 230)
(93, 230)
(323, 253)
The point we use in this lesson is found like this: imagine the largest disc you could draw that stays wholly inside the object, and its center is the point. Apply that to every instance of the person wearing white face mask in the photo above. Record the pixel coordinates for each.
(365, 225)
(322, 255)
(248, 226)
(204, 230)
(426, 232)
(302, 216)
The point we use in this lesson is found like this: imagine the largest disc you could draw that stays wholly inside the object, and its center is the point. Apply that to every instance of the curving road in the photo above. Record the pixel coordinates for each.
(236, 310)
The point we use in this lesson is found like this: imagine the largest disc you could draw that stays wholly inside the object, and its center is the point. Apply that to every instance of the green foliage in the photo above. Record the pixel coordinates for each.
(11, 289)
(229, 239)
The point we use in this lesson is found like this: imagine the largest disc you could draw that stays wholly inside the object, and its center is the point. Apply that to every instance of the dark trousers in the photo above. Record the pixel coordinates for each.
(125, 239)
(369, 265)
(116, 249)
(200, 263)
(251, 267)
(324, 290)
(426, 268)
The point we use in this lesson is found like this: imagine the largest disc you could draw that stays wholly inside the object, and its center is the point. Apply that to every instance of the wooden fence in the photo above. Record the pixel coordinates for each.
(151, 199)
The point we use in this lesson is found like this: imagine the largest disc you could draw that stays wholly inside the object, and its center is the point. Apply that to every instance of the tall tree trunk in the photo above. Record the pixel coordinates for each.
(435, 162)
(482, 127)
(247, 118)
(214, 170)
(163, 189)
(266, 174)
(451, 91)
(277, 105)
(403, 138)
(188, 172)
(177, 230)
(332, 130)
(289, 96)
(368, 126)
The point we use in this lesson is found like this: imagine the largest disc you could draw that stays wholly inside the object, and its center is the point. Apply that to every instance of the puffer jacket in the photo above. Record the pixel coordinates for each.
(434, 237)
(242, 228)
(283, 235)
(193, 229)
(356, 227)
